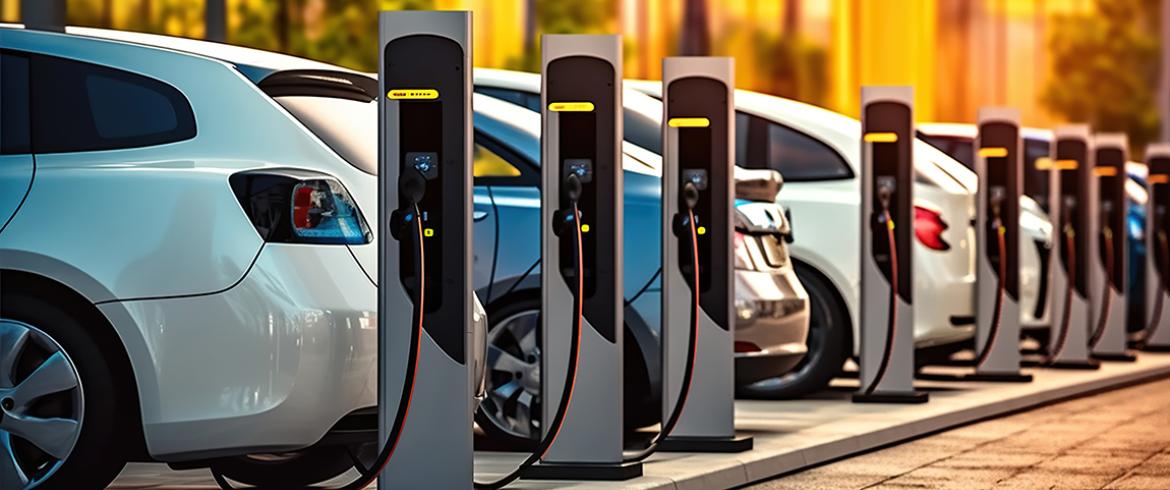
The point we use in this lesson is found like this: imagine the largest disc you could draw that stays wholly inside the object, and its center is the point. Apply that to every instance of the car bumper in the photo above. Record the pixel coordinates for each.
(772, 318)
(268, 365)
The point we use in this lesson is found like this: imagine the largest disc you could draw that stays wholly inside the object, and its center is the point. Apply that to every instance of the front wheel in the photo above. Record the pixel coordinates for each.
(828, 344)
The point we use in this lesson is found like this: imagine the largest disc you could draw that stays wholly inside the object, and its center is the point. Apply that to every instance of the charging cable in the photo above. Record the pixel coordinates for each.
(573, 188)
(1156, 314)
(997, 315)
(1106, 290)
(691, 197)
(884, 194)
(1070, 250)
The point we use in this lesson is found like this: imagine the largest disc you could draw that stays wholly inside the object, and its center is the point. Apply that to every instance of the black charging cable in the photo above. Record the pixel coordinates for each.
(1156, 314)
(1106, 289)
(691, 198)
(997, 314)
(884, 196)
(573, 190)
(1070, 250)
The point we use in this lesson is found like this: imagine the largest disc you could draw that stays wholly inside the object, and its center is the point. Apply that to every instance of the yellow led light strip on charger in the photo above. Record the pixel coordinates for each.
(689, 122)
(571, 106)
(413, 93)
(1105, 171)
(881, 137)
(993, 152)
(1160, 179)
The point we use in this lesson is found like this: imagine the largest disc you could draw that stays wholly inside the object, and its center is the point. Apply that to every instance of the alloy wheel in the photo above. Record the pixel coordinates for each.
(41, 405)
(513, 375)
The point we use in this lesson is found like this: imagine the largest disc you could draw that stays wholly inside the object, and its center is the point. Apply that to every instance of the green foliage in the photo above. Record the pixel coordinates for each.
(1105, 68)
(565, 17)
(799, 68)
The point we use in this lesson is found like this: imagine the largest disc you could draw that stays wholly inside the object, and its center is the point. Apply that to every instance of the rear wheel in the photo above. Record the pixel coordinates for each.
(510, 414)
(828, 344)
(295, 469)
(60, 419)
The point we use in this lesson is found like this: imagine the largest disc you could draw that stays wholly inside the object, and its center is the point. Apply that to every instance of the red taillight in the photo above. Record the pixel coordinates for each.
(741, 346)
(929, 227)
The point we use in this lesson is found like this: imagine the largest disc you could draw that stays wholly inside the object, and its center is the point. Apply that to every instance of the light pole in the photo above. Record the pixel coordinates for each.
(1164, 89)
(46, 15)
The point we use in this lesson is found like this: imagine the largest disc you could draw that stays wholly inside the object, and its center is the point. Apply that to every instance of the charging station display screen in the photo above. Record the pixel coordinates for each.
(893, 172)
(1073, 193)
(704, 161)
(426, 83)
(587, 143)
(999, 148)
(1110, 174)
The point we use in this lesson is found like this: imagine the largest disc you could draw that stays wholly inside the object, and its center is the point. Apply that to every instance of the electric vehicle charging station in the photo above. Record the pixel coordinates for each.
(581, 265)
(997, 236)
(425, 297)
(1107, 247)
(697, 282)
(1072, 202)
(887, 235)
(1157, 329)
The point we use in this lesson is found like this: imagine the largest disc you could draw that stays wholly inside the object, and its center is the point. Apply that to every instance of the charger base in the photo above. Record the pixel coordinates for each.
(1155, 348)
(905, 397)
(684, 444)
(1085, 364)
(1115, 356)
(583, 471)
(998, 377)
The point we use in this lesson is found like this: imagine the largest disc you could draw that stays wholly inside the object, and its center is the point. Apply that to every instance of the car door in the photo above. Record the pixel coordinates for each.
(509, 216)
(17, 167)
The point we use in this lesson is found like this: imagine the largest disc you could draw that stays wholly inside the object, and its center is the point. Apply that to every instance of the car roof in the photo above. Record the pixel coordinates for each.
(256, 64)
(967, 130)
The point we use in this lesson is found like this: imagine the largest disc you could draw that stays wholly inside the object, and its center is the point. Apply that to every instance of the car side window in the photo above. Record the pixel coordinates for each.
(495, 164)
(797, 156)
(86, 107)
(14, 111)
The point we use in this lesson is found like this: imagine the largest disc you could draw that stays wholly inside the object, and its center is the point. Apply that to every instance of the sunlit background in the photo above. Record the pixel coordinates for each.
(1056, 60)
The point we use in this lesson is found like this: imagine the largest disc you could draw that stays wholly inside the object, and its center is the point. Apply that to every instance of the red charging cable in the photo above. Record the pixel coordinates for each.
(1070, 250)
(997, 316)
(892, 328)
(1156, 314)
(1106, 296)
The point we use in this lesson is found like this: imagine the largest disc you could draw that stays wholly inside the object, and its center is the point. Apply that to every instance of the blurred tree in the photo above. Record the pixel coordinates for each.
(563, 17)
(696, 36)
(1105, 68)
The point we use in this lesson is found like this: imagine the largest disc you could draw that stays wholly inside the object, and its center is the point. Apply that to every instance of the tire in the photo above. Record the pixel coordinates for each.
(296, 469)
(58, 342)
(504, 410)
(829, 344)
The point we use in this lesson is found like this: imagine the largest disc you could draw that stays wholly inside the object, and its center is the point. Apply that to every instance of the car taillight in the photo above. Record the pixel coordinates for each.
(294, 206)
(745, 347)
(929, 227)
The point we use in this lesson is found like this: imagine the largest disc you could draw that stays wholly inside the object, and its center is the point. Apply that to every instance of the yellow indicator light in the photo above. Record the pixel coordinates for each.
(428, 232)
(1160, 179)
(689, 122)
(1066, 164)
(881, 137)
(413, 93)
(993, 152)
(571, 107)
(702, 230)
(1043, 163)
(890, 224)
(1105, 171)
(584, 228)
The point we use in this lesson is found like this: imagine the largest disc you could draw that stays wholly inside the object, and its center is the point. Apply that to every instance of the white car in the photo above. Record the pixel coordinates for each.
(186, 270)
(818, 152)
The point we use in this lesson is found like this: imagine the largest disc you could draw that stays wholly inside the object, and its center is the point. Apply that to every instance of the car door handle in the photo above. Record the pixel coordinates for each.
(478, 215)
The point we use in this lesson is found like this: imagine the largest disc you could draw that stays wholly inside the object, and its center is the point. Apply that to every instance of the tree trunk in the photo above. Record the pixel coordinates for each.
(215, 20)
(696, 37)
(43, 14)
(791, 19)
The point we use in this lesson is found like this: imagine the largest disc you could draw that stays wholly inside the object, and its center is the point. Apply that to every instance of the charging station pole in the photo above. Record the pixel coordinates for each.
(425, 207)
(1157, 328)
(997, 237)
(887, 236)
(582, 167)
(1107, 247)
(697, 157)
(1072, 314)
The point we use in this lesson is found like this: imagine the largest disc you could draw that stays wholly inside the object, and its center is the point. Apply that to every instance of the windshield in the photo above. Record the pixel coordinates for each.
(346, 126)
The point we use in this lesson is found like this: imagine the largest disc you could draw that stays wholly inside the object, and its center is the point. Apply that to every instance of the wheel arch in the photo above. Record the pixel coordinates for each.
(111, 342)
(807, 270)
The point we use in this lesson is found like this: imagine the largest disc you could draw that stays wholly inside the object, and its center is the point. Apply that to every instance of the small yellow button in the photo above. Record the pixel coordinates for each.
(584, 228)
(702, 230)
(429, 232)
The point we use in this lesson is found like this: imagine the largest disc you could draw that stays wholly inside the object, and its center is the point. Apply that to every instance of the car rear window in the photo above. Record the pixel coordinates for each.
(81, 106)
